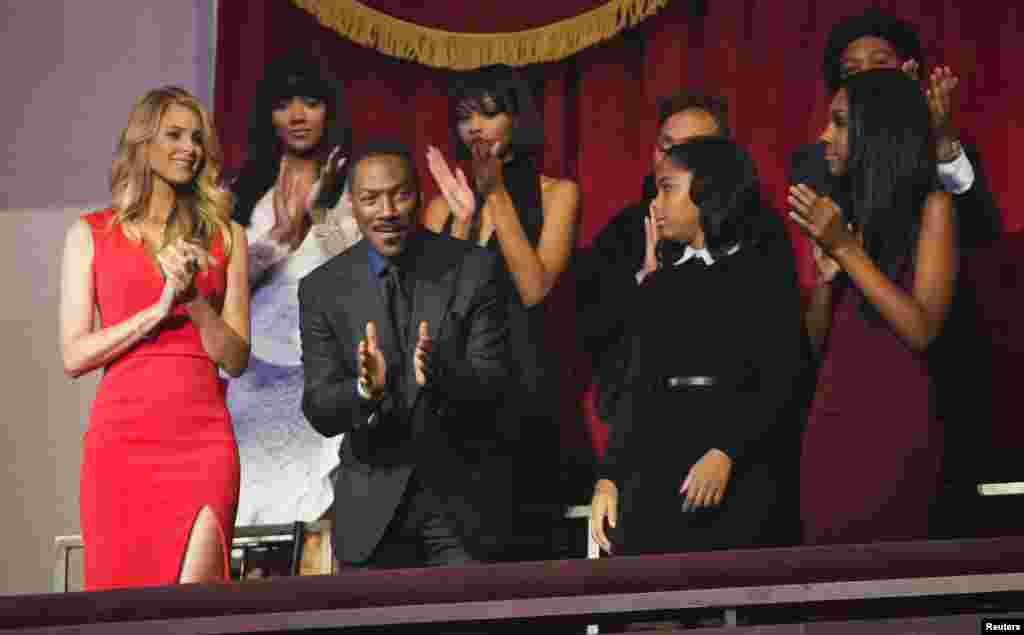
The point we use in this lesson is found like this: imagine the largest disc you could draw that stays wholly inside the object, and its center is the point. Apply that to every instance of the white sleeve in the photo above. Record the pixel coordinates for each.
(957, 176)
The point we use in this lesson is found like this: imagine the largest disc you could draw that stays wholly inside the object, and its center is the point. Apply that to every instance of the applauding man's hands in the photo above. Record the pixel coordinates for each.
(372, 367)
(423, 361)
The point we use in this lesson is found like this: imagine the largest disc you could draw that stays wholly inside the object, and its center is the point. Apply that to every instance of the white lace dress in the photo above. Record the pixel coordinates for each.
(286, 465)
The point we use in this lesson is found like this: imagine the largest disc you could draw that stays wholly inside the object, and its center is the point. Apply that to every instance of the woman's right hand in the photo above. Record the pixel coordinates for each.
(604, 506)
(454, 187)
(291, 195)
(828, 268)
(180, 262)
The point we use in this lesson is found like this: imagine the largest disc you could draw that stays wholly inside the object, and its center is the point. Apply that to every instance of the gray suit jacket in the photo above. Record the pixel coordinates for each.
(445, 431)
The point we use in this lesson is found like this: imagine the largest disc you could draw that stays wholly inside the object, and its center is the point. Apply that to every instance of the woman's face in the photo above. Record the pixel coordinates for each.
(836, 134)
(176, 152)
(299, 123)
(482, 123)
(675, 214)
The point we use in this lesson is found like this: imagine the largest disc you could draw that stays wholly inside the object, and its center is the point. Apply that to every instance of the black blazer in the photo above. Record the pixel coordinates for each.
(443, 431)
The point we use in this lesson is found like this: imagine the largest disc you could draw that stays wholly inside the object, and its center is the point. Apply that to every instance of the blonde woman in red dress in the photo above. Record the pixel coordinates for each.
(165, 269)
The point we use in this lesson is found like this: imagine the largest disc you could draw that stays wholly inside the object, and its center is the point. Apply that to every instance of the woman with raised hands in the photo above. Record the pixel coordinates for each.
(886, 266)
(296, 217)
(531, 219)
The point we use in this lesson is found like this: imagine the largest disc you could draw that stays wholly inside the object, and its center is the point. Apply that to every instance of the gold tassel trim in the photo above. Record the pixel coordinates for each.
(464, 51)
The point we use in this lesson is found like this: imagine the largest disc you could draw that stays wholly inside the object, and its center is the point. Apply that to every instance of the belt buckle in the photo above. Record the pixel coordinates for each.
(689, 381)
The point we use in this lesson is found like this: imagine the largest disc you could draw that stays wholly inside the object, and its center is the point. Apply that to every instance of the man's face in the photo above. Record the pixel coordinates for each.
(385, 198)
(867, 53)
(681, 126)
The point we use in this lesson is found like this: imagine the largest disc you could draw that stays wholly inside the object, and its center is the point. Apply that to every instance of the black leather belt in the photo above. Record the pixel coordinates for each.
(681, 382)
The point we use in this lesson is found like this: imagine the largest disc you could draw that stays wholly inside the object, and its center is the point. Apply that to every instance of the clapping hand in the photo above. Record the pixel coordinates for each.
(372, 367)
(291, 198)
(328, 181)
(454, 187)
(828, 268)
(707, 480)
(940, 102)
(423, 360)
(488, 170)
(821, 218)
(180, 261)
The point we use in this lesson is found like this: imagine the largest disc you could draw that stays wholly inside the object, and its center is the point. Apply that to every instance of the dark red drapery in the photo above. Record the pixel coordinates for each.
(598, 106)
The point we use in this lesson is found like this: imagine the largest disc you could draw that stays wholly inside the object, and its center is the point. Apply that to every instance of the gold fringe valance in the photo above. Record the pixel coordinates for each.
(464, 51)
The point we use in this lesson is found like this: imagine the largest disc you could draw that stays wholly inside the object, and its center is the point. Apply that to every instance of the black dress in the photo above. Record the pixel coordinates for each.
(738, 321)
(527, 416)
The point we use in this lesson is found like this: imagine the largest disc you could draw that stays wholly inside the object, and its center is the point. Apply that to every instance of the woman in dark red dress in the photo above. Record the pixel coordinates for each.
(166, 270)
(886, 266)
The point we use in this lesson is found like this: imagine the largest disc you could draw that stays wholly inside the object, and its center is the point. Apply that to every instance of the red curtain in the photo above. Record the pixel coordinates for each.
(598, 106)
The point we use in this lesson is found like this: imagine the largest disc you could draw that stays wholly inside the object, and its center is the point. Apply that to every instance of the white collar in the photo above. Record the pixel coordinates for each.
(704, 254)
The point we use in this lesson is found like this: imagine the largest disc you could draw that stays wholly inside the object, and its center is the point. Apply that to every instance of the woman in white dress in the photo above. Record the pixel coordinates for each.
(296, 218)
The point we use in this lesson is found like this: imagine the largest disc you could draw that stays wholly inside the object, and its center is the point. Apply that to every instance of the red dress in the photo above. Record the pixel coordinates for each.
(160, 445)
(872, 447)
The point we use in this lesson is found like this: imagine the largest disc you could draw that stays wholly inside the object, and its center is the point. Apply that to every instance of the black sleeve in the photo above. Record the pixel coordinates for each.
(605, 279)
(775, 348)
(979, 220)
(330, 399)
(481, 373)
(614, 464)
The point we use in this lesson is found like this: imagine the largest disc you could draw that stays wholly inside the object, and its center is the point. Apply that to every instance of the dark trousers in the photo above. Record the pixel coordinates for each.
(419, 534)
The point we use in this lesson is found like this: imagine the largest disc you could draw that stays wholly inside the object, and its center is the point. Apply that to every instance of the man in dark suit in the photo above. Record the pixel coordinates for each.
(404, 350)
(873, 39)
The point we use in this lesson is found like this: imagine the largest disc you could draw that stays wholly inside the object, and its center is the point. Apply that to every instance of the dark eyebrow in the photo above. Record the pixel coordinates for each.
(403, 185)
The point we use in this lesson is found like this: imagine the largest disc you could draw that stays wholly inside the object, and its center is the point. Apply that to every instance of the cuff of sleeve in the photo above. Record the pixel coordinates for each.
(957, 176)
(362, 391)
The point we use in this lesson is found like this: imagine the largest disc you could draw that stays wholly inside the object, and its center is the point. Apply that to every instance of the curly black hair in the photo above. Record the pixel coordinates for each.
(872, 22)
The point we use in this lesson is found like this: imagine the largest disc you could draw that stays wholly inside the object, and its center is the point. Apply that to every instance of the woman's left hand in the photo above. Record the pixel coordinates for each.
(707, 480)
(821, 218)
(328, 181)
(487, 166)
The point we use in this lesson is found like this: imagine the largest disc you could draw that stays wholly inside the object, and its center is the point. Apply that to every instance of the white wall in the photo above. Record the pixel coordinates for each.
(72, 71)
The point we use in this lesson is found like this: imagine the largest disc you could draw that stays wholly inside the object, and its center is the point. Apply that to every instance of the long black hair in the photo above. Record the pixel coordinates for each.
(725, 189)
(292, 75)
(891, 164)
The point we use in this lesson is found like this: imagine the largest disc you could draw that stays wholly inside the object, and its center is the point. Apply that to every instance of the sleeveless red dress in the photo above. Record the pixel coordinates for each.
(872, 447)
(159, 446)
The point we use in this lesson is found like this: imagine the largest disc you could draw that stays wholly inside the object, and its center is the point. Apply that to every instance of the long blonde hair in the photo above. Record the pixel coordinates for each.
(204, 209)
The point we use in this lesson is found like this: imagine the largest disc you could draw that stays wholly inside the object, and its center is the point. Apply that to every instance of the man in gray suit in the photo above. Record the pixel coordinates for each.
(404, 350)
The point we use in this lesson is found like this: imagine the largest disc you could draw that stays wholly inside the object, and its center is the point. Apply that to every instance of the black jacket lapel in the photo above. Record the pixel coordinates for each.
(364, 300)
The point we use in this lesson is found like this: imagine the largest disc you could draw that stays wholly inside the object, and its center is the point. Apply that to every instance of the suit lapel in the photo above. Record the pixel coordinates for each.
(435, 282)
(363, 300)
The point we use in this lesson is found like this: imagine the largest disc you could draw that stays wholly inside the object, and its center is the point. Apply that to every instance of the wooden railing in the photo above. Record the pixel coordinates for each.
(920, 587)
